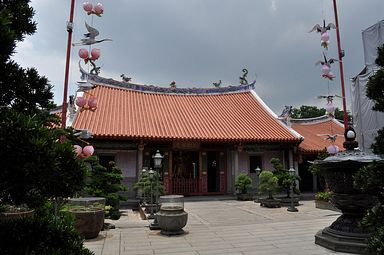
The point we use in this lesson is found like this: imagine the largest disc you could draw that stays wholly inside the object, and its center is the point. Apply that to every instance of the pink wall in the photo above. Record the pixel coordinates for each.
(243, 162)
(126, 160)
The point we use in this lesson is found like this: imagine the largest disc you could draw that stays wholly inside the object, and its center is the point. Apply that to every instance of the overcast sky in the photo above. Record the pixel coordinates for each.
(197, 42)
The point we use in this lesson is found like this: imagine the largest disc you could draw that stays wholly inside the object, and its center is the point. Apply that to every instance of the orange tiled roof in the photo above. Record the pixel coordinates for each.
(313, 131)
(130, 114)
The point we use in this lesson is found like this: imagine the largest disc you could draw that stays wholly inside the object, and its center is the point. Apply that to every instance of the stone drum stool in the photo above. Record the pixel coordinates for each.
(172, 217)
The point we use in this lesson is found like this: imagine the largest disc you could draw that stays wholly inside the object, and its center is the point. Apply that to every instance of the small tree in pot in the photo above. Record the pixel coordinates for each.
(268, 185)
(242, 184)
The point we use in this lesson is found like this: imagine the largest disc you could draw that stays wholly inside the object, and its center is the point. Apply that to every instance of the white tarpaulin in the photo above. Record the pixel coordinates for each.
(373, 37)
(366, 121)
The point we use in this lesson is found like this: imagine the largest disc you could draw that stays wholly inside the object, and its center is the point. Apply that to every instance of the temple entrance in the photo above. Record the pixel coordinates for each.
(185, 172)
(213, 172)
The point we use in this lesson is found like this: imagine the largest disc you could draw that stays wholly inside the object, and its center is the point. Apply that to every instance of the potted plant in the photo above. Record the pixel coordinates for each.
(322, 201)
(286, 181)
(242, 185)
(268, 185)
(150, 188)
(89, 218)
(105, 182)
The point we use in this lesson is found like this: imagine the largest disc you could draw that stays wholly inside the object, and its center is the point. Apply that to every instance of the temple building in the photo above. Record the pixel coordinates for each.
(318, 134)
(207, 136)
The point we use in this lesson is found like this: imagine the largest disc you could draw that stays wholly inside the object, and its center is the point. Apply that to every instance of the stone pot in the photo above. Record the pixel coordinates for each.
(345, 234)
(244, 196)
(7, 216)
(172, 220)
(270, 203)
(89, 222)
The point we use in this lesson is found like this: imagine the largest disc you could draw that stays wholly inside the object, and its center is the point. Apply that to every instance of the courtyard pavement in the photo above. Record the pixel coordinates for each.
(222, 227)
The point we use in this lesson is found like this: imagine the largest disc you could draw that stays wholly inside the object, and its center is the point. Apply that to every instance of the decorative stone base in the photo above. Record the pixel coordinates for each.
(270, 203)
(244, 197)
(342, 242)
(325, 205)
(172, 220)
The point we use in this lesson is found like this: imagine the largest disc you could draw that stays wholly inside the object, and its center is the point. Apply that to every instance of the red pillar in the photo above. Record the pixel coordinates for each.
(69, 43)
(341, 55)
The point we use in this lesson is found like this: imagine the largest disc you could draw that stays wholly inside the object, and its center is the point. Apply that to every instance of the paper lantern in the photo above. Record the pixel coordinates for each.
(330, 108)
(88, 150)
(325, 37)
(83, 53)
(95, 54)
(80, 101)
(78, 150)
(333, 149)
(92, 102)
(325, 69)
(87, 6)
(99, 9)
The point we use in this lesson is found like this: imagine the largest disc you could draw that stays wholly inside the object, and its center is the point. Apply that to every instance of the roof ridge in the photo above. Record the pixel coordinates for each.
(155, 89)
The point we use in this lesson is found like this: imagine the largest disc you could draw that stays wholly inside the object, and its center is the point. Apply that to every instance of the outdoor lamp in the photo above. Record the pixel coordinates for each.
(292, 207)
(157, 158)
(257, 170)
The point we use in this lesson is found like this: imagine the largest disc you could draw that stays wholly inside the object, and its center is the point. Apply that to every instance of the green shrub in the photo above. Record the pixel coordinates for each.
(147, 184)
(41, 236)
(106, 182)
(285, 180)
(323, 196)
(243, 183)
(268, 184)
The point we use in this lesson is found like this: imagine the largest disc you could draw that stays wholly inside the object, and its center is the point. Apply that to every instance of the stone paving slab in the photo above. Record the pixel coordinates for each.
(222, 227)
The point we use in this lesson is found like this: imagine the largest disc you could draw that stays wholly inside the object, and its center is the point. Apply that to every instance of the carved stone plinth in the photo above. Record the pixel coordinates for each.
(346, 234)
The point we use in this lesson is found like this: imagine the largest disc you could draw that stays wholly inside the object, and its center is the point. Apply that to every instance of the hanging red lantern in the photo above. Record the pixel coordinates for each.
(87, 6)
(333, 149)
(92, 103)
(325, 37)
(88, 150)
(78, 150)
(330, 108)
(325, 69)
(83, 53)
(80, 102)
(95, 54)
(99, 9)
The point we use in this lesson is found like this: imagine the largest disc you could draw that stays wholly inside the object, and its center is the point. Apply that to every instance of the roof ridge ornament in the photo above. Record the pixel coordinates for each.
(95, 79)
(243, 80)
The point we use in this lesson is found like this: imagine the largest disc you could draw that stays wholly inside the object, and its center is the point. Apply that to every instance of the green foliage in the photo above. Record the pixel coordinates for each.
(375, 88)
(268, 184)
(371, 178)
(306, 111)
(35, 165)
(149, 185)
(315, 169)
(15, 22)
(243, 183)
(285, 180)
(323, 196)
(43, 234)
(106, 182)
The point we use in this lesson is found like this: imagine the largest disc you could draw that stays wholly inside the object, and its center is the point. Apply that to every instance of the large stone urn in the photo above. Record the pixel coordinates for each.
(346, 234)
(172, 217)
(89, 215)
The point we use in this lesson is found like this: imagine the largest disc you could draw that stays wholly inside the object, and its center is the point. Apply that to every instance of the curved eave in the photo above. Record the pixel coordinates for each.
(219, 140)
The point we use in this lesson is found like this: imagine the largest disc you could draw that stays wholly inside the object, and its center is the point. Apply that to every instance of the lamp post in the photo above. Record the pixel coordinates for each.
(157, 158)
(257, 171)
(151, 173)
(292, 207)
